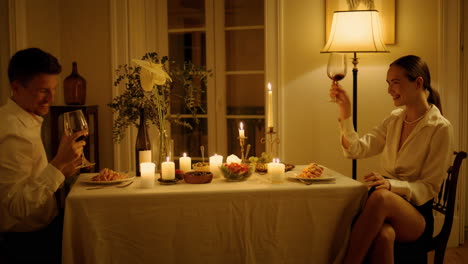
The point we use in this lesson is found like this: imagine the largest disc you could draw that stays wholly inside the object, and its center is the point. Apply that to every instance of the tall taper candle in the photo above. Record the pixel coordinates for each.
(241, 130)
(270, 118)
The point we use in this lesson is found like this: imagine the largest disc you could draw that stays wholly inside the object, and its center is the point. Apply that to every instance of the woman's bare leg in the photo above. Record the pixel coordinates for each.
(382, 207)
(382, 248)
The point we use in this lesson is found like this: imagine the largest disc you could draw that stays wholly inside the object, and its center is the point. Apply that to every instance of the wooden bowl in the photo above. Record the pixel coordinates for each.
(198, 177)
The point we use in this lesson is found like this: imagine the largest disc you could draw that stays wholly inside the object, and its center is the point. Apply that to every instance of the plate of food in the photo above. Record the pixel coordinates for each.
(108, 176)
(313, 172)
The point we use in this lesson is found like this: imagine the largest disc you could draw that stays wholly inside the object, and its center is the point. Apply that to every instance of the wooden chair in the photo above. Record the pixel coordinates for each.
(445, 204)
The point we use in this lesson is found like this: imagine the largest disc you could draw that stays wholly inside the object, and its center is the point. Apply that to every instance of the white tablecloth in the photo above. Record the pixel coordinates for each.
(221, 222)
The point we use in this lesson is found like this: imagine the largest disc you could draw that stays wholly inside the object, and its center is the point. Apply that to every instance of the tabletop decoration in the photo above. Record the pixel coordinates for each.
(276, 171)
(147, 170)
(168, 170)
(167, 182)
(216, 161)
(237, 171)
(148, 85)
(242, 139)
(185, 163)
(271, 137)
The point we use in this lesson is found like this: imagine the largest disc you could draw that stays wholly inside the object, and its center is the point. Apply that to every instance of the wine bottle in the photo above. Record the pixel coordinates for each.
(142, 141)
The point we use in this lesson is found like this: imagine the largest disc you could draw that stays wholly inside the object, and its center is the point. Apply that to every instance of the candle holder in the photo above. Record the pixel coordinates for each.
(167, 182)
(242, 144)
(271, 139)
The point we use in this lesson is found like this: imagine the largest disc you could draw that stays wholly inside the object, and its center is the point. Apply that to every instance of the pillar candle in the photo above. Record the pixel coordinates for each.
(168, 170)
(147, 174)
(185, 163)
(276, 171)
(241, 130)
(270, 122)
(215, 162)
(145, 156)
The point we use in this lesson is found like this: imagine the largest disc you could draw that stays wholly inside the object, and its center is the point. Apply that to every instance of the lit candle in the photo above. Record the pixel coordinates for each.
(168, 170)
(241, 130)
(145, 156)
(276, 171)
(147, 174)
(270, 118)
(215, 162)
(185, 163)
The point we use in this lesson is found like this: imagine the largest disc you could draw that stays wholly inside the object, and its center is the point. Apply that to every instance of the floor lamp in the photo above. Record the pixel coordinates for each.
(352, 32)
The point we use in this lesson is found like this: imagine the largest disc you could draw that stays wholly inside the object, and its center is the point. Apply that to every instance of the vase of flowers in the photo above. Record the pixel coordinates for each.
(148, 86)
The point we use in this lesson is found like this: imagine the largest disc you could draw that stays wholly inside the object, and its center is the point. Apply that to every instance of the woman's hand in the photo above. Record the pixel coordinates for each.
(377, 180)
(342, 100)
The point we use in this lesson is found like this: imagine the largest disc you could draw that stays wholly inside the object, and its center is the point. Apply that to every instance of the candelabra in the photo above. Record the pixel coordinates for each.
(271, 139)
(242, 144)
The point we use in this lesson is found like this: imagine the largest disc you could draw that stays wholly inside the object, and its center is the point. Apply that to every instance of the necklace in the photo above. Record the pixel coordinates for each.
(418, 119)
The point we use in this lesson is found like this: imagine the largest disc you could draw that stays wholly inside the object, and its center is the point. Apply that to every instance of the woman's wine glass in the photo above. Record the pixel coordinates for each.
(337, 68)
(73, 122)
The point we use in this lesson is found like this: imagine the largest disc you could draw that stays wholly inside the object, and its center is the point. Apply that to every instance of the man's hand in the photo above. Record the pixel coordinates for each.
(69, 152)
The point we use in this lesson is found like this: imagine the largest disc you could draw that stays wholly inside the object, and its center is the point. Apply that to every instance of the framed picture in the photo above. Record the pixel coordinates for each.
(386, 10)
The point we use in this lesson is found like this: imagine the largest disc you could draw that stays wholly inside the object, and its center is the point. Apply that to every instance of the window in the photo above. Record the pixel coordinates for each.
(227, 37)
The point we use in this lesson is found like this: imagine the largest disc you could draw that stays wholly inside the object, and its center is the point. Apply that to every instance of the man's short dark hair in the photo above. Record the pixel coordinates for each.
(28, 63)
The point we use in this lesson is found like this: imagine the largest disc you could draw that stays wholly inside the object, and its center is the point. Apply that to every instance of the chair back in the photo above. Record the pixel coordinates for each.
(445, 204)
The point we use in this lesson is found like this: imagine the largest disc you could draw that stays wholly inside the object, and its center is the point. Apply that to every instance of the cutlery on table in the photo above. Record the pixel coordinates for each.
(106, 186)
(305, 182)
(202, 150)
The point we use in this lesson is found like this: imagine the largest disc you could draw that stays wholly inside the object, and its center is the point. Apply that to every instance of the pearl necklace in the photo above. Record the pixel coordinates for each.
(419, 118)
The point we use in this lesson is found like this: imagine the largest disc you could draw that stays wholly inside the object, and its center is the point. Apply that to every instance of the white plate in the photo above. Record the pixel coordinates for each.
(294, 175)
(130, 178)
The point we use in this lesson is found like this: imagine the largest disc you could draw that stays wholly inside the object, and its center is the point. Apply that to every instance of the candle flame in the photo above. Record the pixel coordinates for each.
(269, 87)
(167, 158)
(241, 126)
(185, 154)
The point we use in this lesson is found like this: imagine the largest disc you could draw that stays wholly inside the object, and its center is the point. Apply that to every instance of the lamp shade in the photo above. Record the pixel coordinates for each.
(355, 31)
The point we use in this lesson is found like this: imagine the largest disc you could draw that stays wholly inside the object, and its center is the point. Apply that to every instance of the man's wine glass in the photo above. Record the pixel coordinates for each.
(73, 122)
(337, 68)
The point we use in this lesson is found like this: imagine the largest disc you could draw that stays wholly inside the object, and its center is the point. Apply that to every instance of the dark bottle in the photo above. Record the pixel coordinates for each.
(74, 87)
(142, 141)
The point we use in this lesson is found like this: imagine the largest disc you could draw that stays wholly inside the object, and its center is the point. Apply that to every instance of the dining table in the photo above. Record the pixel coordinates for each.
(252, 221)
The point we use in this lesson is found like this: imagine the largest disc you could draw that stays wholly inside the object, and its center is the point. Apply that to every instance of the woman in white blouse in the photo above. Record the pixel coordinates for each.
(414, 143)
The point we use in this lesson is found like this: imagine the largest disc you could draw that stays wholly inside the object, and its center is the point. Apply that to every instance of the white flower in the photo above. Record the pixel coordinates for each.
(151, 74)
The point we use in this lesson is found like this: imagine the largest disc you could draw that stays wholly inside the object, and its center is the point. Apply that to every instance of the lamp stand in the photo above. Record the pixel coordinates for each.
(355, 72)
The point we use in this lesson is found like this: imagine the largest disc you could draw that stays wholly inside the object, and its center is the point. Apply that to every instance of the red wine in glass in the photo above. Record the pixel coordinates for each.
(336, 68)
(73, 122)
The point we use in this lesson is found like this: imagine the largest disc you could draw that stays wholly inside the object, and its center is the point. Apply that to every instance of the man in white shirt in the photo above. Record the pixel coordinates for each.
(28, 207)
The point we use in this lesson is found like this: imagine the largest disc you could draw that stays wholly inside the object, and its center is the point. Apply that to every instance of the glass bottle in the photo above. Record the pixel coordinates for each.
(74, 87)
(142, 141)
